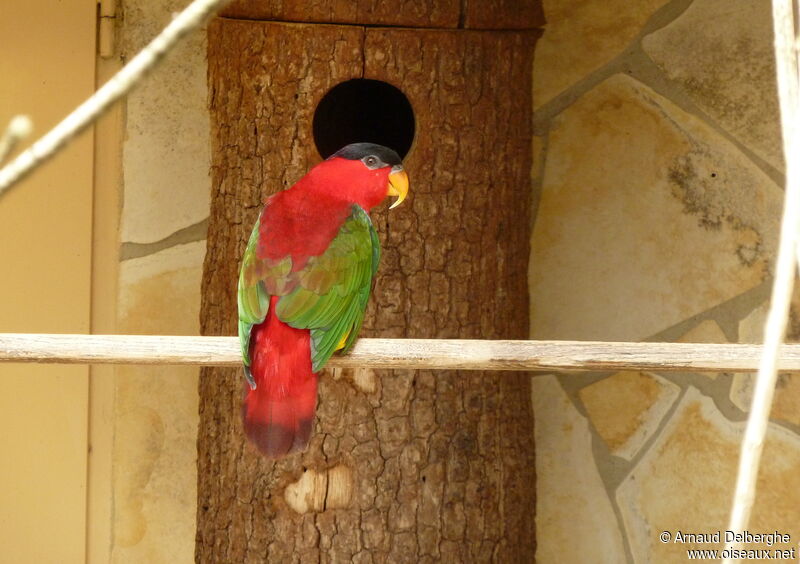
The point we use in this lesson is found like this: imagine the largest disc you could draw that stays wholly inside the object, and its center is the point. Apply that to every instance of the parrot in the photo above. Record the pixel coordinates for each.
(304, 282)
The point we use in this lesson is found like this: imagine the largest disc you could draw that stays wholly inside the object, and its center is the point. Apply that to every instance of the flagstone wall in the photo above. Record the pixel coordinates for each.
(657, 189)
(657, 194)
(163, 221)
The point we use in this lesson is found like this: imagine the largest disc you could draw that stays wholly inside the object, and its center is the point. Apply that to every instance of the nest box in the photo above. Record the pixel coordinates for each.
(446, 83)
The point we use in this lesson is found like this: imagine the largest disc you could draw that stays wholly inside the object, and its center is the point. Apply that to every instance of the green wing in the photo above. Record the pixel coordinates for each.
(328, 295)
(333, 289)
(252, 298)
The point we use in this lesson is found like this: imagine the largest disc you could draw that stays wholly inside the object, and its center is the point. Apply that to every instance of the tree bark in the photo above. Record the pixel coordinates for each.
(503, 14)
(420, 13)
(403, 466)
(476, 14)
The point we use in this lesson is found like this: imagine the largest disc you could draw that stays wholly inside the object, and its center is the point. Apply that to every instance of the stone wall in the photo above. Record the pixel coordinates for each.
(162, 232)
(657, 182)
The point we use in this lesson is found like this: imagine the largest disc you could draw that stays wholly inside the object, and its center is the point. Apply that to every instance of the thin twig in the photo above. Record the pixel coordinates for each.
(18, 129)
(118, 86)
(755, 432)
(432, 354)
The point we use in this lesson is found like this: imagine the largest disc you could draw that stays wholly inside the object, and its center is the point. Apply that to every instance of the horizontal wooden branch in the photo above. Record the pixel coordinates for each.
(402, 353)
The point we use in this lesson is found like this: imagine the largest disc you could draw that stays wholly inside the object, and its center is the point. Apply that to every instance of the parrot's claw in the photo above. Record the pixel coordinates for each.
(249, 377)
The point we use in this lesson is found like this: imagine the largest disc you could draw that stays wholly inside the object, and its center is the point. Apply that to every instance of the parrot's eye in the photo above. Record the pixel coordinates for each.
(371, 161)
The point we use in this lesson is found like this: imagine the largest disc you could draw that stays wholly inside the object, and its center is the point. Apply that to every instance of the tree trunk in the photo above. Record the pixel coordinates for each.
(403, 466)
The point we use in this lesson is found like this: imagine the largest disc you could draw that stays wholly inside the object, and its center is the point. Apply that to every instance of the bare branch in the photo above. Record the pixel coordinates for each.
(123, 82)
(786, 62)
(18, 129)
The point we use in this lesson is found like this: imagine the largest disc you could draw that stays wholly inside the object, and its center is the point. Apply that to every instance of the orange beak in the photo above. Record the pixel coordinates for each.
(398, 185)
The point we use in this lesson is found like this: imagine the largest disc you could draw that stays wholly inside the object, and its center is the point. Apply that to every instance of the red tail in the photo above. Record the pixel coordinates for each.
(279, 413)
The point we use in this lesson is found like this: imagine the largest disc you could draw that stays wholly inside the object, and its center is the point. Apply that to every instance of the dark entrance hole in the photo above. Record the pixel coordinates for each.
(363, 110)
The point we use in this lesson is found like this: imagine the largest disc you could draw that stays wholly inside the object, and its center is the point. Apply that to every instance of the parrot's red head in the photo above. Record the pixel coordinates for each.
(363, 173)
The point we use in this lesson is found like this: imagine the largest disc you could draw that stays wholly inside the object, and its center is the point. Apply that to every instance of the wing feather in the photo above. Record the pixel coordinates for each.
(328, 295)
(333, 310)
(252, 296)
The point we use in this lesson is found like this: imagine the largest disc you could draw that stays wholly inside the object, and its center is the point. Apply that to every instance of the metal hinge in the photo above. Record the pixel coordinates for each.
(106, 25)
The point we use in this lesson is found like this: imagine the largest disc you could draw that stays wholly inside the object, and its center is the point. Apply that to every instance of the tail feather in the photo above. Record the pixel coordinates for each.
(279, 413)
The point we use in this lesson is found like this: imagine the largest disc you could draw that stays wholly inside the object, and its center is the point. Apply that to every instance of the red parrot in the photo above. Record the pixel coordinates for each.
(304, 283)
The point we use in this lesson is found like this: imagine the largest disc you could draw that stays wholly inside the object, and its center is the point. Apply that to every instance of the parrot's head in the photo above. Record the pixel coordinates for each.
(365, 173)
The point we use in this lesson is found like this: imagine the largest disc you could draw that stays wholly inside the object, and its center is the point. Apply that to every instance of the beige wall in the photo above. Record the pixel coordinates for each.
(100, 462)
(658, 195)
(162, 234)
(47, 65)
(105, 271)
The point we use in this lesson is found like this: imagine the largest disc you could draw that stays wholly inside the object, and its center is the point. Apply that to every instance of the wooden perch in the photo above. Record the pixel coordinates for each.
(402, 353)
